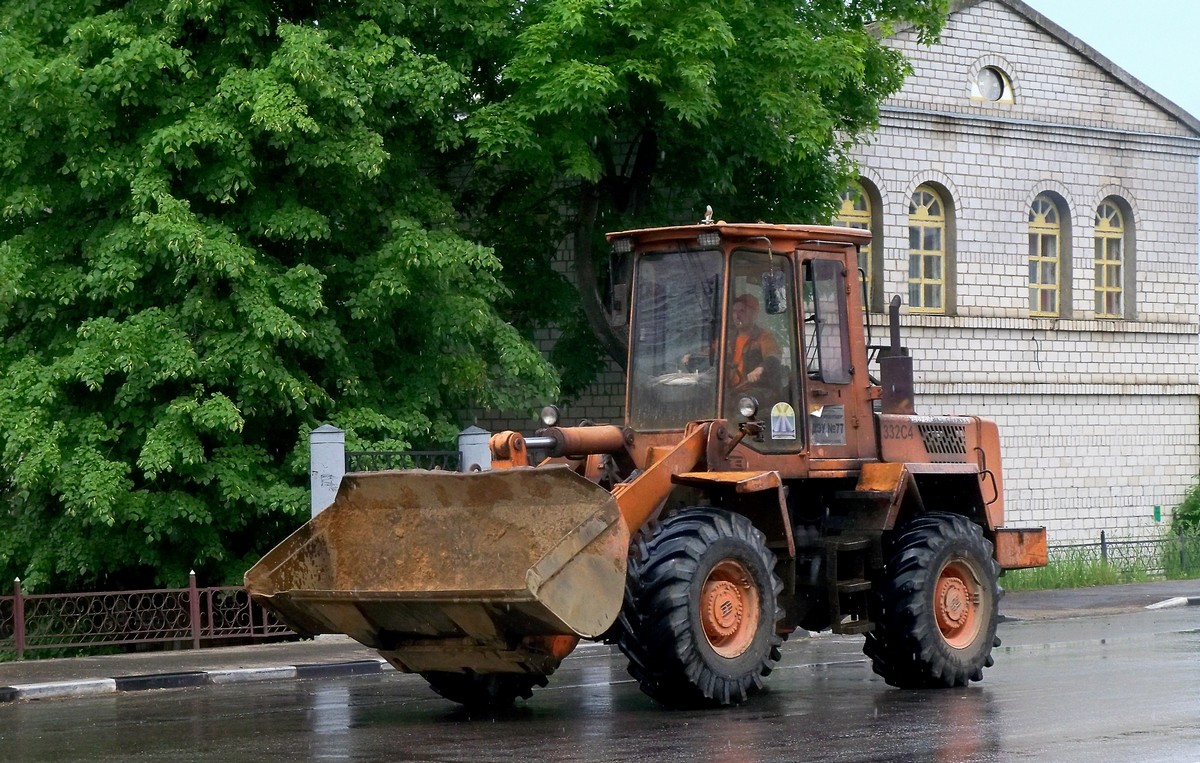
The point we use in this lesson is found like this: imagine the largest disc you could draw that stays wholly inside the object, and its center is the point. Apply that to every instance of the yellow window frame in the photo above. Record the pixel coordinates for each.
(855, 212)
(1110, 265)
(927, 259)
(1045, 258)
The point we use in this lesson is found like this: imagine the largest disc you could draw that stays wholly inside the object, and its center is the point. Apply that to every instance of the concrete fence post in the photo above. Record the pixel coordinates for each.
(474, 454)
(18, 619)
(194, 608)
(327, 464)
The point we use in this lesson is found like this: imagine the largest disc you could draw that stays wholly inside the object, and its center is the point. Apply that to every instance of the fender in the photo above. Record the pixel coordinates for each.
(760, 496)
(886, 493)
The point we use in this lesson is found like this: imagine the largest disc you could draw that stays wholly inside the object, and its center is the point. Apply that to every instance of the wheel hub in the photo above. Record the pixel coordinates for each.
(953, 601)
(729, 608)
(956, 604)
(722, 608)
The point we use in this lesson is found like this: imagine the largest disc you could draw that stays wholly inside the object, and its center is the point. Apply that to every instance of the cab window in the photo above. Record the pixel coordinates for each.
(760, 348)
(826, 333)
(673, 368)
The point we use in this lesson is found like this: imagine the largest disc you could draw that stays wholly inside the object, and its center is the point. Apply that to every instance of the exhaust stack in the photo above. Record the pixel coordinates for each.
(896, 368)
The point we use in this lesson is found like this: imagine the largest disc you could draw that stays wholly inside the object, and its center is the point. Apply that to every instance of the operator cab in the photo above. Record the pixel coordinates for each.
(743, 322)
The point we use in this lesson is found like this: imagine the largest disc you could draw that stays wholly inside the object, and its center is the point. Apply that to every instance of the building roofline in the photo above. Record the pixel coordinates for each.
(1091, 54)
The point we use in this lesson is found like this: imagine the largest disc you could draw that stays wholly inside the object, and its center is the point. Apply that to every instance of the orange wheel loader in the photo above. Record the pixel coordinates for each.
(763, 481)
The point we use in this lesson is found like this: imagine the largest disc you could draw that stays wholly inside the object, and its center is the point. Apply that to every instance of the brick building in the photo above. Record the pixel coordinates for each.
(1036, 207)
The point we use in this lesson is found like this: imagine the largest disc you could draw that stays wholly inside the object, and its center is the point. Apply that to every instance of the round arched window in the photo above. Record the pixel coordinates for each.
(992, 84)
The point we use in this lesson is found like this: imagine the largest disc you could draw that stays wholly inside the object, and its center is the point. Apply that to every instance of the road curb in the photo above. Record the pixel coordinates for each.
(179, 680)
(162, 681)
(64, 688)
(1177, 601)
(241, 675)
(337, 669)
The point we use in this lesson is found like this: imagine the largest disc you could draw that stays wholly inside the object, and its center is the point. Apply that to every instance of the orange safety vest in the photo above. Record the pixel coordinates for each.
(750, 351)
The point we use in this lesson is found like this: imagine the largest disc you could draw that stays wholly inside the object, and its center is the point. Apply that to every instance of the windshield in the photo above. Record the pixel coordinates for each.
(674, 340)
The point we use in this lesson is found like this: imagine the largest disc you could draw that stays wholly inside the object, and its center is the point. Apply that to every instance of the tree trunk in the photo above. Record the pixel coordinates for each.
(625, 189)
(614, 341)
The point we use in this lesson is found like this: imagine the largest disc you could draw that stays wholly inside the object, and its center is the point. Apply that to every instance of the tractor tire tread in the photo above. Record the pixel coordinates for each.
(906, 648)
(655, 631)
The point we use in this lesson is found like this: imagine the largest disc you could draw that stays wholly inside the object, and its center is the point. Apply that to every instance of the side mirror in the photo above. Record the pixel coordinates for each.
(618, 313)
(774, 289)
(617, 303)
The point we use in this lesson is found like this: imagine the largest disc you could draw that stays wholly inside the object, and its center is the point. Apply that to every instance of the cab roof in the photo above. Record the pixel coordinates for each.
(779, 235)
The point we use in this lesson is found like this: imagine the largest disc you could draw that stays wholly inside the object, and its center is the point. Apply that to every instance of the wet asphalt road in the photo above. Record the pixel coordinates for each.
(1117, 688)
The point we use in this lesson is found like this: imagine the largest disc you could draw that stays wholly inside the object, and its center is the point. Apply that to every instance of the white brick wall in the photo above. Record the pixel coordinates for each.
(1081, 464)
(1048, 76)
(1100, 419)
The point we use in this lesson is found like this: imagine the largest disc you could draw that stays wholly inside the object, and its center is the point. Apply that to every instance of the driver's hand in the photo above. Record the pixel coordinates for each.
(755, 375)
(686, 360)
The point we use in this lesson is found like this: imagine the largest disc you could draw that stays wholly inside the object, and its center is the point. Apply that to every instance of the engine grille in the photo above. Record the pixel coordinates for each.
(946, 440)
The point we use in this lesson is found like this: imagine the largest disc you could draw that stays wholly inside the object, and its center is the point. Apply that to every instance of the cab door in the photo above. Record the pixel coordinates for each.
(832, 413)
(761, 353)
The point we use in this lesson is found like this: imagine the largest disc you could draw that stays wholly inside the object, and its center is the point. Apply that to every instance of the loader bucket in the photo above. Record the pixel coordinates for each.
(447, 571)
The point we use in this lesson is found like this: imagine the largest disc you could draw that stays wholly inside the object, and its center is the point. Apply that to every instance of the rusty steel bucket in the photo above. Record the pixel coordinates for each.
(448, 571)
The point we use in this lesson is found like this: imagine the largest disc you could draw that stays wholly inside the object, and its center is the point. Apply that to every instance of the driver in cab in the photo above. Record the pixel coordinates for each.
(754, 351)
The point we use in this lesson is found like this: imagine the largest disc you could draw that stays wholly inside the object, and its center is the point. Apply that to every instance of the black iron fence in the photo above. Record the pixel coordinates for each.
(380, 460)
(1159, 556)
(187, 616)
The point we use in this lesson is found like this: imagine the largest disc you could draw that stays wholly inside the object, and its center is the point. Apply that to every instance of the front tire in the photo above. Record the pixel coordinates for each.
(701, 608)
(936, 605)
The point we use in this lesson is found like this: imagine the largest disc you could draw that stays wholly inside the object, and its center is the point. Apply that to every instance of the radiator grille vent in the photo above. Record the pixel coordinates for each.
(944, 440)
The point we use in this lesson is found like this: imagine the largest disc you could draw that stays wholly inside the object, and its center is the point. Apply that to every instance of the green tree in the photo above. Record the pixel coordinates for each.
(223, 223)
(606, 115)
(1185, 519)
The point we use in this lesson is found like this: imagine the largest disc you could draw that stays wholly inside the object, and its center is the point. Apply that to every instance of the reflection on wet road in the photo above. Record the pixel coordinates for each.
(1120, 688)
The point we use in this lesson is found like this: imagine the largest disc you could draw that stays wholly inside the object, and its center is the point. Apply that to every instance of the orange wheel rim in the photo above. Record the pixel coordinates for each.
(729, 608)
(956, 603)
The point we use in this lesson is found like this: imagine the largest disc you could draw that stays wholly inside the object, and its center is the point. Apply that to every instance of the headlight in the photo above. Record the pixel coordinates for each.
(709, 240)
(622, 245)
(549, 415)
(747, 406)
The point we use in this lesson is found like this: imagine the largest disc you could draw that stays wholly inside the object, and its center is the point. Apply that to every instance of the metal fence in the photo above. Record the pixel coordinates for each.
(379, 460)
(1164, 555)
(192, 615)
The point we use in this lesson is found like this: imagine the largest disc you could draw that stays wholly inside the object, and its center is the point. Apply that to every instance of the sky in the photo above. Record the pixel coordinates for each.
(1154, 40)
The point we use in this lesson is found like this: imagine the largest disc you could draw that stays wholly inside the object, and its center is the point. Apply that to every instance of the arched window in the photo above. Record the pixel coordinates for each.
(992, 83)
(855, 212)
(927, 251)
(1045, 257)
(1110, 261)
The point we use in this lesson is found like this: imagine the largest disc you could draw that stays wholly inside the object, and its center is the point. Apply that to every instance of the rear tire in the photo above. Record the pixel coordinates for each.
(701, 608)
(484, 692)
(935, 607)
